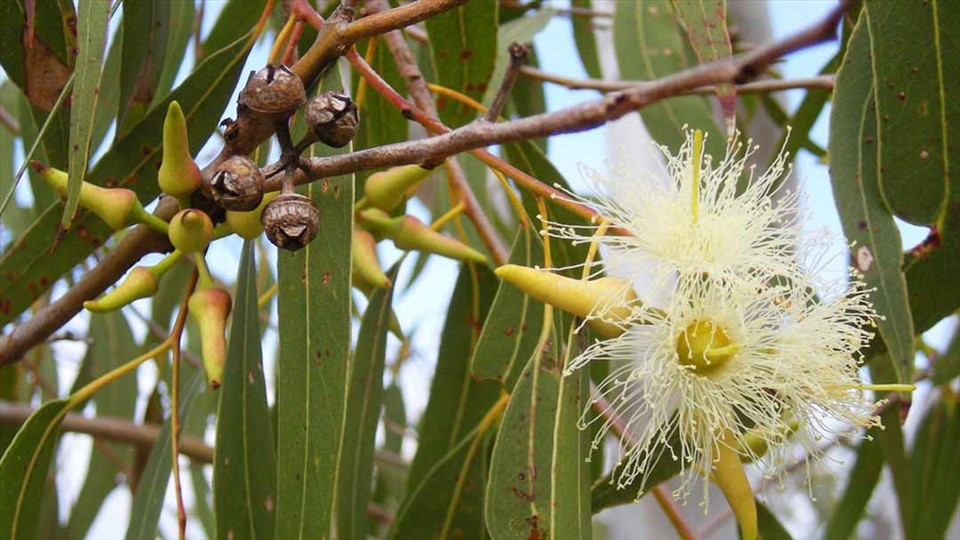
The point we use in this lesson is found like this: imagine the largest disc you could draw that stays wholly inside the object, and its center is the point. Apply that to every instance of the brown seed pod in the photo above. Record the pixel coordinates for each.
(333, 118)
(274, 92)
(238, 184)
(291, 221)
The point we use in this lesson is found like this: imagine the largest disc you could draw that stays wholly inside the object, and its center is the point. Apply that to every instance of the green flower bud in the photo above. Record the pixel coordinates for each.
(409, 233)
(191, 231)
(179, 175)
(210, 308)
(139, 283)
(608, 298)
(117, 207)
(366, 267)
(387, 189)
(248, 224)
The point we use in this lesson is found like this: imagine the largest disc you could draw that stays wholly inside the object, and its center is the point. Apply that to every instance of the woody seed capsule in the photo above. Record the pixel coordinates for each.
(273, 92)
(238, 184)
(291, 221)
(333, 118)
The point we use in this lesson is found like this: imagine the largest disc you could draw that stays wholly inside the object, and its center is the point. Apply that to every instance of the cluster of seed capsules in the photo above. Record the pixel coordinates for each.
(289, 219)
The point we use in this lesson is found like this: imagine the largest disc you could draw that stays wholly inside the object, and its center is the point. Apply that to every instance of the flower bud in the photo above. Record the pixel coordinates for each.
(179, 175)
(606, 300)
(247, 224)
(191, 231)
(366, 267)
(139, 283)
(291, 221)
(413, 234)
(238, 184)
(387, 189)
(210, 308)
(117, 207)
(273, 93)
(732, 480)
(333, 118)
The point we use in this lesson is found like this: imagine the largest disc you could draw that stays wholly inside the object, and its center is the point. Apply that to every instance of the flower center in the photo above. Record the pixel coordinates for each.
(704, 347)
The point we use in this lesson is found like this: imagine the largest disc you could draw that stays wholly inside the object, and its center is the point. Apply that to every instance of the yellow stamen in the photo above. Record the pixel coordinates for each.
(362, 85)
(444, 219)
(695, 165)
(281, 39)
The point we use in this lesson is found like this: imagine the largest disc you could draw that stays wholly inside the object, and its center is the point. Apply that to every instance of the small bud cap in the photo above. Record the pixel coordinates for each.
(191, 230)
(333, 118)
(291, 221)
(273, 92)
(238, 184)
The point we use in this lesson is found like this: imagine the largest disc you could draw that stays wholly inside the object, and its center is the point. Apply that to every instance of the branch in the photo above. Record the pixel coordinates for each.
(518, 53)
(589, 115)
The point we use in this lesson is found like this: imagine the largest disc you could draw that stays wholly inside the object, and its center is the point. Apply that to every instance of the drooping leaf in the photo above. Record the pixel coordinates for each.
(510, 333)
(152, 487)
(947, 365)
(42, 66)
(14, 219)
(649, 45)
(768, 526)
(236, 17)
(892, 442)
(146, 26)
(935, 464)
(244, 470)
(519, 30)
(706, 24)
(131, 162)
(463, 45)
(182, 15)
(539, 483)
(112, 345)
(446, 480)
(92, 28)
(364, 398)
(314, 311)
(867, 222)
(584, 34)
(914, 112)
(105, 112)
(860, 485)
(23, 471)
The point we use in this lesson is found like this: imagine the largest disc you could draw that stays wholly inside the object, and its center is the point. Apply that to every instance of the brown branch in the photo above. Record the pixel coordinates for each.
(408, 68)
(770, 85)
(244, 135)
(518, 53)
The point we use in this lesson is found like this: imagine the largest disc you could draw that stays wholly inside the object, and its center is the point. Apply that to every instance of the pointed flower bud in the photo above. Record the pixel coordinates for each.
(387, 189)
(139, 283)
(179, 175)
(732, 480)
(117, 207)
(409, 233)
(210, 308)
(605, 302)
(366, 267)
(247, 224)
(191, 231)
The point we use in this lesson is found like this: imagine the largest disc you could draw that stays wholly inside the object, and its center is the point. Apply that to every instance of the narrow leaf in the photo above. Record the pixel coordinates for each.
(520, 30)
(706, 24)
(867, 222)
(364, 398)
(860, 485)
(244, 469)
(584, 34)
(92, 30)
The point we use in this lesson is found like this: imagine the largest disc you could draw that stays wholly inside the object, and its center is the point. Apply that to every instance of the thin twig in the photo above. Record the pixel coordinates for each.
(175, 335)
(518, 53)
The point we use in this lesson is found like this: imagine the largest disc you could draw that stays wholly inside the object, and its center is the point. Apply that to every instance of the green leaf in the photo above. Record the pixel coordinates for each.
(314, 311)
(112, 345)
(867, 222)
(947, 365)
(935, 464)
(891, 439)
(152, 487)
(539, 483)
(364, 398)
(520, 30)
(23, 471)
(86, 91)
(768, 526)
(146, 26)
(463, 44)
(511, 330)
(182, 16)
(244, 469)
(706, 24)
(912, 106)
(446, 480)
(527, 98)
(108, 104)
(14, 219)
(236, 17)
(132, 163)
(860, 485)
(606, 493)
(584, 34)
(649, 45)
